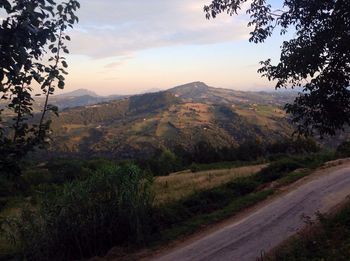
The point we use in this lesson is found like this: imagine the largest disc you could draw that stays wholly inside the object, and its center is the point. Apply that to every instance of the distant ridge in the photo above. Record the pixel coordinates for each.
(78, 93)
(153, 90)
(196, 91)
(191, 90)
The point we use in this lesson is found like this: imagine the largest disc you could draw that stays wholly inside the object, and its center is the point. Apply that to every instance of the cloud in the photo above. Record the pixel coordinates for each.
(119, 62)
(110, 28)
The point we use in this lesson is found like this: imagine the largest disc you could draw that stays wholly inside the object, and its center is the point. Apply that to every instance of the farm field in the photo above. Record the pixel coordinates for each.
(182, 184)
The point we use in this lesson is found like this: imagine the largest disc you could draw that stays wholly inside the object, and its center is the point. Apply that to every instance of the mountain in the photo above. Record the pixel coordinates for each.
(200, 92)
(138, 126)
(80, 97)
(78, 93)
(153, 90)
(191, 91)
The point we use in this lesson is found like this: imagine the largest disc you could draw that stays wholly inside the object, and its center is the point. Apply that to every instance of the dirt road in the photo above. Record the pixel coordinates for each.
(265, 228)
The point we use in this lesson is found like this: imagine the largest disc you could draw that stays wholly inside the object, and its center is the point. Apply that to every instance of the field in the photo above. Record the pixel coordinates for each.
(183, 184)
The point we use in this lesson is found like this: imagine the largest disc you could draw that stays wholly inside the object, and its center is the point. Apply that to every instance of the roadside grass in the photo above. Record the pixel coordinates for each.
(10, 210)
(293, 177)
(198, 167)
(12, 207)
(187, 215)
(327, 240)
(7, 250)
(178, 186)
(191, 225)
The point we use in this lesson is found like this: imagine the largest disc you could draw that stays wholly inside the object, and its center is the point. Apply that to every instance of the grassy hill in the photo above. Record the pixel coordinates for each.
(138, 126)
(200, 92)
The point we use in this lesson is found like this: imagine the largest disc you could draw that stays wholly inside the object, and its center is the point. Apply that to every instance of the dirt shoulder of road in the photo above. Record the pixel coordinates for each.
(148, 254)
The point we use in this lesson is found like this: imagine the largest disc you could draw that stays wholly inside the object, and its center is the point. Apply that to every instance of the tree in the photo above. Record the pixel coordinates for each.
(316, 59)
(32, 40)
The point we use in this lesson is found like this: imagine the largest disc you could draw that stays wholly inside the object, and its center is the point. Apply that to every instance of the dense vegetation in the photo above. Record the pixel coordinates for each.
(204, 155)
(85, 217)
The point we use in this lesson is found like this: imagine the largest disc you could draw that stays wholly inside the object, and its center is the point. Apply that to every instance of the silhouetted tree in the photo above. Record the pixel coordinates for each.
(316, 59)
(32, 40)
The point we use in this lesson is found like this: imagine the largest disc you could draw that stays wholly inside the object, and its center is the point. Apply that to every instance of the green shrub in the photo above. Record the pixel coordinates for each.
(96, 164)
(278, 169)
(243, 186)
(6, 187)
(206, 201)
(343, 149)
(315, 160)
(3, 202)
(86, 218)
(35, 177)
(67, 170)
(194, 167)
(165, 163)
(203, 202)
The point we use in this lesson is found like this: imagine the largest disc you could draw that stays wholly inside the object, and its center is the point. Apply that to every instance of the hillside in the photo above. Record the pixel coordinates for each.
(81, 97)
(181, 117)
(200, 92)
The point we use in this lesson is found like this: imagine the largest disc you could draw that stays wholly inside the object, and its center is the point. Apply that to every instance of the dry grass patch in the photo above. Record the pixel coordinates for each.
(72, 127)
(180, 185)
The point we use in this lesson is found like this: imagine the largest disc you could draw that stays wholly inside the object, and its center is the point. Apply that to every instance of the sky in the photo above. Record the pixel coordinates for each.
(130, 46)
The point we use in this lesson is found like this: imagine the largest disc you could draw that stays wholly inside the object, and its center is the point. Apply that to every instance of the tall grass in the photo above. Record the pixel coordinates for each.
(86, 218)
(176, 187)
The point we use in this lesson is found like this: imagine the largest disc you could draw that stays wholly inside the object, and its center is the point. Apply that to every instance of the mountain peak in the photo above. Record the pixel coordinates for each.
(79, 92)
(197, 85)
(191, 90)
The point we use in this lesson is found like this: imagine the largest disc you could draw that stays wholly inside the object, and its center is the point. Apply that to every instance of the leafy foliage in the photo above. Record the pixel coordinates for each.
(278, 169)
(343, 149)
(86, 218)
(205, 156)
(32, 41)
(166, 163)
(317, 59)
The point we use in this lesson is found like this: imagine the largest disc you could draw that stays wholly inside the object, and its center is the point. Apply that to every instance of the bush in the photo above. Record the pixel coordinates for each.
(206, 201)
(343, 149)
(86, 218)
(194, 167)
(278, 169)
(243, 186)
(98, 163)
(314, 160)
(6, 187)
(35, 177)
(165, 163)
(67, 171)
